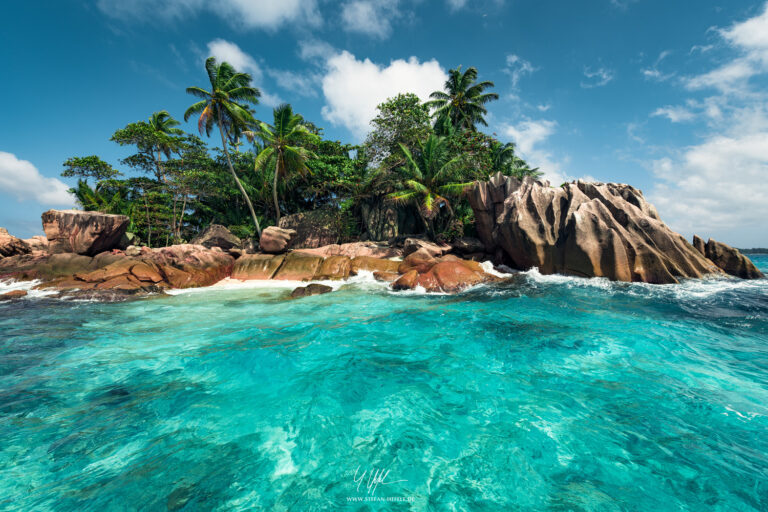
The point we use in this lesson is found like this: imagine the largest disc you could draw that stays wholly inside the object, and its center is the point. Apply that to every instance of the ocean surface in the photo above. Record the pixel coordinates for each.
(545, 393)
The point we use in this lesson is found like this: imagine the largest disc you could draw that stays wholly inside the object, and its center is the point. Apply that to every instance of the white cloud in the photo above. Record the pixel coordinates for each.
(303, 85)
(455, 5)
(717, 188)
(314, 50)
(676, 114)
(21, 179)
(370, 17)
(518, 68)
(226, 51)
(596, 78)
(653, 72)
(263, 14)
(353, 88)
(528, 136)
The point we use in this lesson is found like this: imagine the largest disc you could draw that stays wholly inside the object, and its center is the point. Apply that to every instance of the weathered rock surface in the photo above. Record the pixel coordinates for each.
(217, 235)
(299, 267)
(731, 260)
(699, 245)
(447, 274)
(334, 267)
(14, 294)
(412, 245)
(371, 264)
(257, 266)
(37, 243)
(275, 240)
(583, 229)
(356, 250)
(12, 246)
(313, 229)
(310, 290)
(468, 245)
(80, 232)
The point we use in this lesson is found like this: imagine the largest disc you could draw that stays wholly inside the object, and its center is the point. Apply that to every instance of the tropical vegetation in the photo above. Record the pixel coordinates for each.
(419, 159)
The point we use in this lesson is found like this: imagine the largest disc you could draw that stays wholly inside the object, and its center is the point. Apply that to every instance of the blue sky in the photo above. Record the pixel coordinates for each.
(668, 96)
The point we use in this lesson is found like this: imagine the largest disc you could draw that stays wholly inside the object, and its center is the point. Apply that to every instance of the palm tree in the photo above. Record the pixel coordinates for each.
(462, 102)
(428, 178)
(226, 105)
(284, 143)
(165, 129)
(505, 161)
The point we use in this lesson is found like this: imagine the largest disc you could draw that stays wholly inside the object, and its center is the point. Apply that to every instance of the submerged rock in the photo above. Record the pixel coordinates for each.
(275, 240)
(217, 235)
(311, 289)
(80, 232)
(582, 229)
(731, 260)
(12, 246)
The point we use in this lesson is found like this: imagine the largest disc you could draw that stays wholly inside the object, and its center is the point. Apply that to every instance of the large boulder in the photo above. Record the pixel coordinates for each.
(446, 275)
(257, 266)
(275, 240)
(313, 229)
(299, 267)
(217, 235)
(80, 232)
(12, 246)
(731, 260)
(583, 229)
(412, 245)
(334, 267)
(191, 266)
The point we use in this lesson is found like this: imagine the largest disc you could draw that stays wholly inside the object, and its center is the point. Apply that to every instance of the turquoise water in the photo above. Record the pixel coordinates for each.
(548, 393)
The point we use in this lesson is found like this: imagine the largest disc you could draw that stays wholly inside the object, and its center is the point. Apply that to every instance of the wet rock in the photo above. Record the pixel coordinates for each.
(334, 267)
(257, 266)
(80, 232)
(275, 240)
(449, 275)
(12, 246)
(421, 261)
(309, 290)
(731, 260)
(299, 267)
(370, 264)
(386, 277)
(407, 281)
(584, 229)
(190, 266)
(217, 235)
(15, 294)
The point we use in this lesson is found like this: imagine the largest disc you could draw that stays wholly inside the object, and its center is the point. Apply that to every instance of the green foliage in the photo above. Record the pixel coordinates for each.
(88, 167)
(462, 104)
(400, 120)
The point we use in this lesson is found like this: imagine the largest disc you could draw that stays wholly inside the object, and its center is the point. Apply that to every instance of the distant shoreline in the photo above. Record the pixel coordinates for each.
(757, 250)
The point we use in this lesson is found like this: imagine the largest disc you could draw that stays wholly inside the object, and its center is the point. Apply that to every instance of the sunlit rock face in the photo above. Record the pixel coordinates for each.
(583, 229)
(80, 232)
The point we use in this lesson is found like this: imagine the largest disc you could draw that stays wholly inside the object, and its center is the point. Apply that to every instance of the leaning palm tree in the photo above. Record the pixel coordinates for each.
(165, 128)
(284, 147)
(462, 102)
(226, 105)
(428, 178)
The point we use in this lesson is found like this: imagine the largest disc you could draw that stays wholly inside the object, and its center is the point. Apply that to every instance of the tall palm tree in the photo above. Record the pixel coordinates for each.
(284, 146)
(428, 178)
(165, 129)
(226, 105)
(462, 102)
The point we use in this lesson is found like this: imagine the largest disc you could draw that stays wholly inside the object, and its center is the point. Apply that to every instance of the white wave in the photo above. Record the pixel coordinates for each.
(488, 268)
(592, 282)
(10, 285)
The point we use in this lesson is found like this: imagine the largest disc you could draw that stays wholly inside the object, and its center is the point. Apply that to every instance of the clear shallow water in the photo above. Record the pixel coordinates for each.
(550, 393)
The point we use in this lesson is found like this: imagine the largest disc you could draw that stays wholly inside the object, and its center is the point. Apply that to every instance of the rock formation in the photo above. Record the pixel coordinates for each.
(217, 235)
(313, 229)
(730, 260)
(583, 229)
(12, 246)
(355, 250)
(275, 240)
(80, 232)
(310, 290)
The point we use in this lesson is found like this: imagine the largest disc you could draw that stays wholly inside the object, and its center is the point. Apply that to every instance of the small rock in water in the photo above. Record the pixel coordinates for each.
(15, 294)
(309, 290)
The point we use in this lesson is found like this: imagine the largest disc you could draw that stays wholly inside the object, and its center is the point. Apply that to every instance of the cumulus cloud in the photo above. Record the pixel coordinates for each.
(596, 78)
(22, 180)
(370, 17)
(227, 51)
(353, 88)
(529, 135)
(301, 84)
(261, 14)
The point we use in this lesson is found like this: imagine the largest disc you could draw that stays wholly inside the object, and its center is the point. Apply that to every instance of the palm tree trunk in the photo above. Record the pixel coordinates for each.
(274, 187)
(234, 174)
